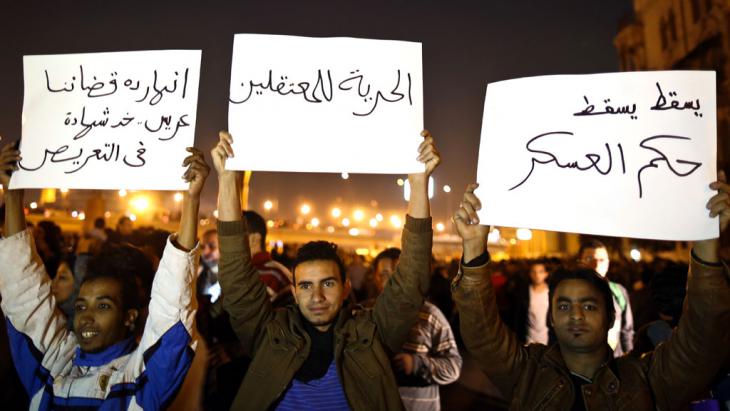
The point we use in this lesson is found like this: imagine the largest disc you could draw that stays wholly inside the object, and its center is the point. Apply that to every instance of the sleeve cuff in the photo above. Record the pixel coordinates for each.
(476, 262)
(418, 225)
(703, 262)
(229, 228)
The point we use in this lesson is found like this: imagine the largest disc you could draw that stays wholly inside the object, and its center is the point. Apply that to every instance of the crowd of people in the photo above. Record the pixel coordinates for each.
(140, 318)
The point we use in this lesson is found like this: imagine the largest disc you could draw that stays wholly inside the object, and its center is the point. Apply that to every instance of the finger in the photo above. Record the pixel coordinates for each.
(201, 163)
(425, 158)
(218, 152)
(225, 136)
(460, 219)
(471, 187)
(722, 208)
(428, 141)
(720, 186)
(227, 148)
(472, 199)
(425, 133)
(721, 176)
(194, 150)
(471, 212)
(717, 199)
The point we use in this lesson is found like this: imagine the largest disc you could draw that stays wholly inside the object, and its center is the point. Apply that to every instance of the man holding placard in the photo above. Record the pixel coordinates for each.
(579, 372)
(100, 364)
(318, 354)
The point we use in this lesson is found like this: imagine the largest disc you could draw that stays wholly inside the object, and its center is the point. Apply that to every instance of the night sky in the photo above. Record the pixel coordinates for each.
(466, 44)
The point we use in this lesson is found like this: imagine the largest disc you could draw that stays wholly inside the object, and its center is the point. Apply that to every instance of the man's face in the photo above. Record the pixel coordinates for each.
(125, 228)
(538, 274)
(597, 259)
(100, 319)
(384, 269)
(62, 285)
(319, 291)
(578, 313)
(210, 252)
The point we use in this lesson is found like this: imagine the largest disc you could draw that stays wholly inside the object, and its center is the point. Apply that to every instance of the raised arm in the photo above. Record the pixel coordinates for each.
(497, 349)
(244, 295)
(683, 366)
(396, 309)
(165, 352)
(40, 344)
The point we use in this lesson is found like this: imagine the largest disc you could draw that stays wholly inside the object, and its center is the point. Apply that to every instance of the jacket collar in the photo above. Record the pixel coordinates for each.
(605, 373)
(109, 354)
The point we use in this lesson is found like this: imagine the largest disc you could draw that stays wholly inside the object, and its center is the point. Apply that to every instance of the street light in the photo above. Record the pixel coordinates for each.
(447, 188)
(358, 215)
(315, 222)
(178, 197)
(268, 205)
(305, 209)
(122, 193)
(345, 176)
(440, 227)
(336, 212)
(345, 222)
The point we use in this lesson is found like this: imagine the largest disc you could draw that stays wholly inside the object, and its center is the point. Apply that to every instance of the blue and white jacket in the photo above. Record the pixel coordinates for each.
(54, 371)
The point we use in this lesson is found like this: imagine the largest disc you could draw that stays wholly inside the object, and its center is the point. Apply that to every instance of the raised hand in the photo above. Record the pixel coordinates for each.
(221, 152)
(719, 204)
(9, 157)
(197, 171)
(473, 235)
(419, 206)
(427, 153)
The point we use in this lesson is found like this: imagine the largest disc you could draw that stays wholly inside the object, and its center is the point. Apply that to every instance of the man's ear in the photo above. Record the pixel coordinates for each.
(347, 288)
(131, 319)
(293, 289)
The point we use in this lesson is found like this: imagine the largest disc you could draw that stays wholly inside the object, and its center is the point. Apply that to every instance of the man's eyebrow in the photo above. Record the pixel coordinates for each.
(581, 300)
(327, 279)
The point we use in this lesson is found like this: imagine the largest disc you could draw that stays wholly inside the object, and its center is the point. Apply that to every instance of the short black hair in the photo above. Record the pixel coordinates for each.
(99, 222)
(592, 244)
(319, 250)
(590, 276)
(256, 224)
(391, 253)
(125, 264)
(123, 219)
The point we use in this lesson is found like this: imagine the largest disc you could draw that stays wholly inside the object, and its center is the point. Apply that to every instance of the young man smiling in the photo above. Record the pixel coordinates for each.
(317, 354)
(100, 365)
(579, 372)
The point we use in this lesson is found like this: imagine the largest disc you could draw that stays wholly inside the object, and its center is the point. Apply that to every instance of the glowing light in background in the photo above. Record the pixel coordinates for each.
(524, 234)
(635, 255)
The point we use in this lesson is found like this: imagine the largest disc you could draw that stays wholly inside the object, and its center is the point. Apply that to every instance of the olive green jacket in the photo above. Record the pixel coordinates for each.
(279, 345)
(535, 377)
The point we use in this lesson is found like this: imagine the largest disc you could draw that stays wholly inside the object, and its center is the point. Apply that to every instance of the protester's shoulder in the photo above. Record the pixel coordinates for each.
(432, 313)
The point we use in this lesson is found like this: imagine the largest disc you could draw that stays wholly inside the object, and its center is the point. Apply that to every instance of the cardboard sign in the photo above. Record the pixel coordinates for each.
(325, 104)
(108, 120)
(618, 154)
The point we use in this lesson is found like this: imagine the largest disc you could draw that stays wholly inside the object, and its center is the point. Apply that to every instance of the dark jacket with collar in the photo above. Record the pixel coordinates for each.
(279, 345)
(536, 377)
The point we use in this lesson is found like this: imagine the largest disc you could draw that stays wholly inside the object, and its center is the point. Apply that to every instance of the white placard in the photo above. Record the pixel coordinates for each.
(325, 104)
(618, 154)
(108, 120)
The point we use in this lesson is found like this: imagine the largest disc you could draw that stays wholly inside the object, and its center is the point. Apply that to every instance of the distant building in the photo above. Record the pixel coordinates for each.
(682, 34)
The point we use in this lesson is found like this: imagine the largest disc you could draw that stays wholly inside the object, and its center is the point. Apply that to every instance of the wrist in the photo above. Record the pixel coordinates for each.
(473, 248)
(707, 250)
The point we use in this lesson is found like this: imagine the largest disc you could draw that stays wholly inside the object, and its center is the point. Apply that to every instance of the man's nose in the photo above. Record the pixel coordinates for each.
(576, 312)
(318, 294)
